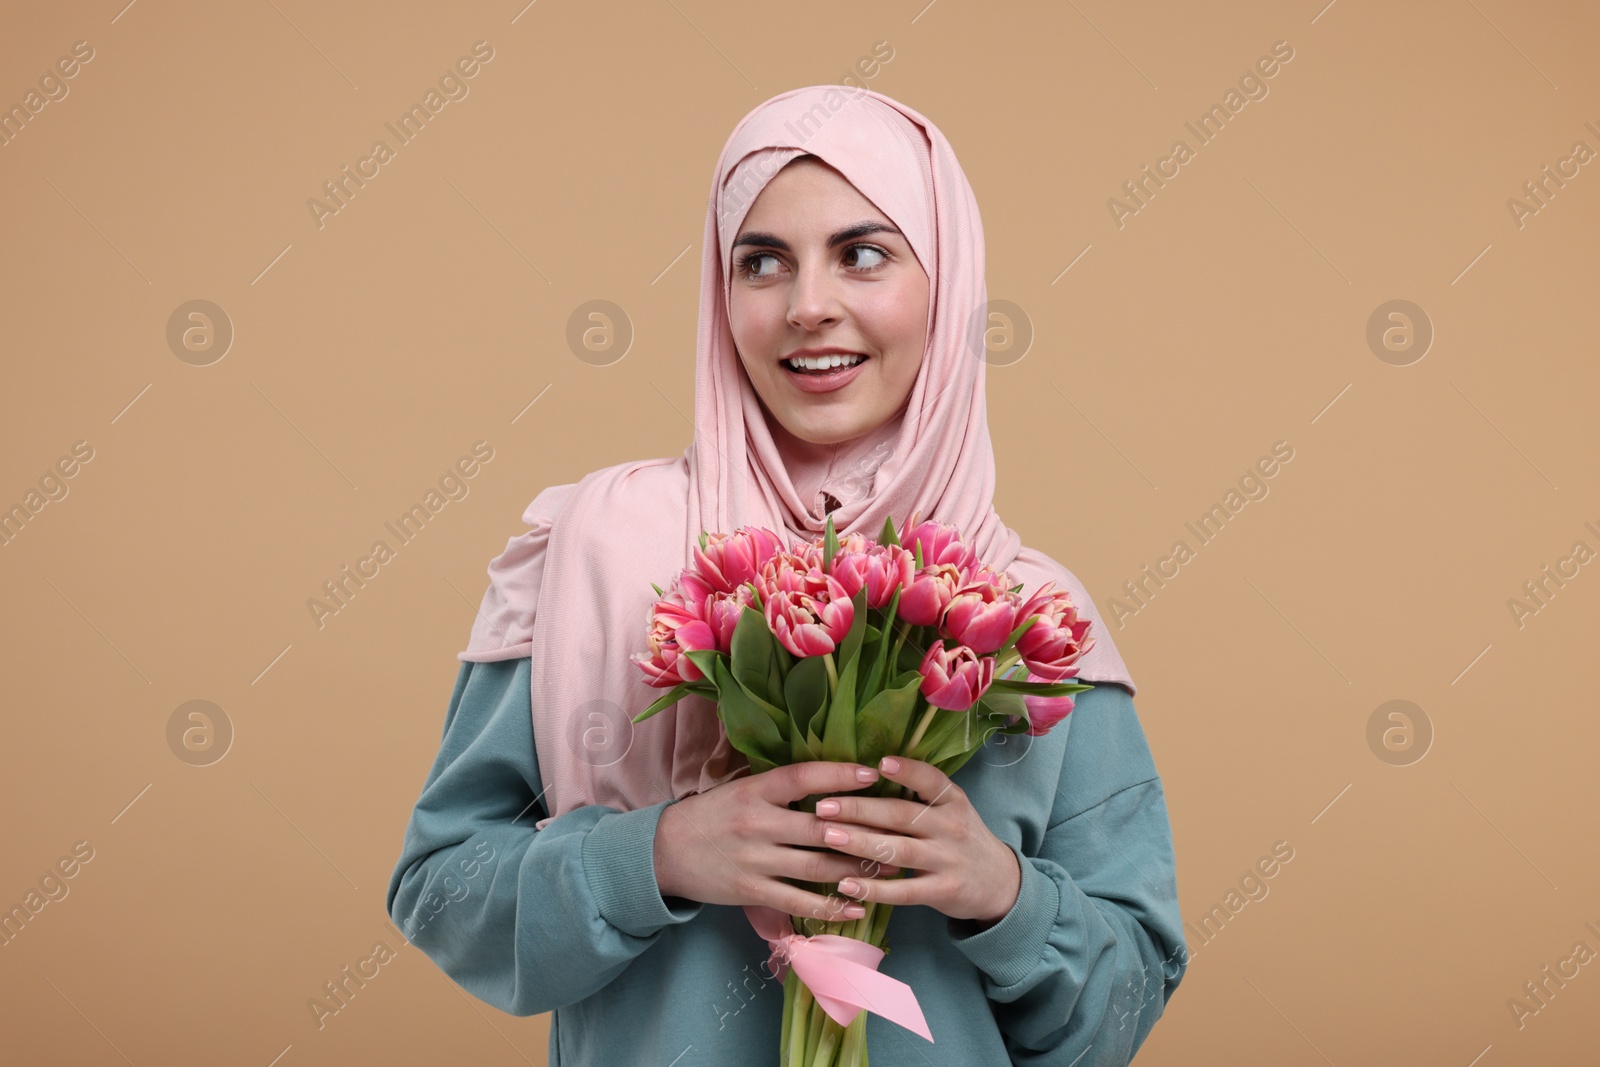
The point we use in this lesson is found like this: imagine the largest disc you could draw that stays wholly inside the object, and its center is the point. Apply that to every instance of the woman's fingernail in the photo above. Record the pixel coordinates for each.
(836, 837)
(890, 765)
(866, 774)
(854, 911)
(849, 887)
(827, 808)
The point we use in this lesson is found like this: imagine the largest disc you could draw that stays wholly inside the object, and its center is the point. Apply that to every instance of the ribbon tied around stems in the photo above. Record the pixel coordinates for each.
(841, 972)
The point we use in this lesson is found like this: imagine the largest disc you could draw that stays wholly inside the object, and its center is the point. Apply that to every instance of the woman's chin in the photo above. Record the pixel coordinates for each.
(828, 432)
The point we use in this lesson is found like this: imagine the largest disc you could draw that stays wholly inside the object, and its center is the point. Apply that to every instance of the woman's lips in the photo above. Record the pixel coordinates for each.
(837, 378)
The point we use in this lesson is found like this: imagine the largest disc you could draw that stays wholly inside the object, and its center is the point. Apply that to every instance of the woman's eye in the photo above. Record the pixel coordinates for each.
(751, 262)
(751, 265)
(866, 250)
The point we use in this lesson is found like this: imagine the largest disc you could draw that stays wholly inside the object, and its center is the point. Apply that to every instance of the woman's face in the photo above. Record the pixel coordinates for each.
(817, 267)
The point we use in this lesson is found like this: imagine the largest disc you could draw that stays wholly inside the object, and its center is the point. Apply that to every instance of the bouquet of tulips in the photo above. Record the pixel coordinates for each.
(848, 650)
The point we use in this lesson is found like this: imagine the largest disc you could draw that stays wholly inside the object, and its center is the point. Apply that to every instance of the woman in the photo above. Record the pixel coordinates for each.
(562, 859)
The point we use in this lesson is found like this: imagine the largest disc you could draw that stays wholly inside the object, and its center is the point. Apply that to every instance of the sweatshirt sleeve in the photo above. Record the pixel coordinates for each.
(1083, 965)
(526, 920)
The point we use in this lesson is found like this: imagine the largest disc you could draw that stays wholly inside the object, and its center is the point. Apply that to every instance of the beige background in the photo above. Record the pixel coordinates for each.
(369, 354)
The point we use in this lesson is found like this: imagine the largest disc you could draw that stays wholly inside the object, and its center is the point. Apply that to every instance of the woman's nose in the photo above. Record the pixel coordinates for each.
(814, 299)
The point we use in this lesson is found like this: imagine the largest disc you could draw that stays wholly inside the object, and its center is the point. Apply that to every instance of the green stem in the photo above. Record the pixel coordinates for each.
(800, 1023)
(810, 1037)
(880, 925)
(922, 728)
(814, 1032)
(853, 1052)
(791, 983)
(829, 1042)
(833, 673)
(894, 657)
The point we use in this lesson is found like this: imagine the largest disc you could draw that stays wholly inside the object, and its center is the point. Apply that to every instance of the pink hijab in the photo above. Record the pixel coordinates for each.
(574, 592)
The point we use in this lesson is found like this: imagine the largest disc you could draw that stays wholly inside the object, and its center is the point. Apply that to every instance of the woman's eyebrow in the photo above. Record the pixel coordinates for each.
(850, 233)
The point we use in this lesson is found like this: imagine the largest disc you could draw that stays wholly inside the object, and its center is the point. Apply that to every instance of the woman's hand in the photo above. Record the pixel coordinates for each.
(961, 868)
(734, 844)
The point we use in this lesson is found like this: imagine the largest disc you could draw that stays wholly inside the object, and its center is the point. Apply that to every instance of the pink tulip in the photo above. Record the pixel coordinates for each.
(695, 636)
(955, 678)
(660, 666)
(880, 570)
(850, 568)
(790, 573)
(1053, 645)
(981, 574)
(730, 560)
(1044, 713)
(723, 615)
(677, 608)
(807, 554)
(929, 593)
(808, 626)
(694, 587)
(665, 665)
(941, 543)
(681, 621)
(850, 542)
(981, 617)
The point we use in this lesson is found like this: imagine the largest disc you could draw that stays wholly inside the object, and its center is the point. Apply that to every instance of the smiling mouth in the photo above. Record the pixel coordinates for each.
(822, 365)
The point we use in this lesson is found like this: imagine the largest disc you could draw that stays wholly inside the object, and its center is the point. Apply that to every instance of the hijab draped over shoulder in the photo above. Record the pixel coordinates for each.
(574, 591)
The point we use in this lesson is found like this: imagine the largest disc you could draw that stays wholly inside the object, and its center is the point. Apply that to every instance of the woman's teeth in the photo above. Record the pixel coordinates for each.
(822, 363)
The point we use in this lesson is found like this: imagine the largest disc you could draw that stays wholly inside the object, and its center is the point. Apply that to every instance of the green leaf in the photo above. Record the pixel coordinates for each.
(775, 677)
(944, 723)
(839, 733)
(666, 700)
(913, 650)
(750, 729)
(946, 736)
(851, 646)
(889, 536)
(800, 750)
(997, 701)
(881, 658)
(703, 658)
(752, 654)
(1038, 689)
(956, 753)
(952, 764)
(830, 546)
(1002, 703)
(884, 719)
(967, 738)
(702, 540)
(657, 588)
(1016, 635)
(806, 691)
(779, 717)
(872, 640)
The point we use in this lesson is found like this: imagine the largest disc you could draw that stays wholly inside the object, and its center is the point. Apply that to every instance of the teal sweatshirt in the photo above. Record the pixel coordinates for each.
(569, 919)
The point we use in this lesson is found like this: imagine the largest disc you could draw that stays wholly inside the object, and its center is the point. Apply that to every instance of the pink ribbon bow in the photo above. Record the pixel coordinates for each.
(841, 972)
